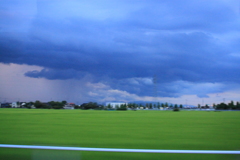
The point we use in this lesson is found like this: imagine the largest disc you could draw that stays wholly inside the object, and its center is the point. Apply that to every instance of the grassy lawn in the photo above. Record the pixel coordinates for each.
(193, 130)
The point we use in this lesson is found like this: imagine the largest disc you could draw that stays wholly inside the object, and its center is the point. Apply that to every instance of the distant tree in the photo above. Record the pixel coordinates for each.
(38, 104)
(176, 109)
(175, 106)
(158, 105)
(166, 104)
(181, 106)
(238, 106)
(150, 105)
(90, 105)
(137, 105)
(199, 106)
(64, 102)
(206, 106)
(214, 105)
(226, 106)
(77, 107)
(222, 106)
(109, 106)
(133, 105)
(231, 105)
(56, 105)
(234, 107)
(123, 107)
(162, 105)
(147, 105)
(52, 103)
(154, 105)
(130, 105)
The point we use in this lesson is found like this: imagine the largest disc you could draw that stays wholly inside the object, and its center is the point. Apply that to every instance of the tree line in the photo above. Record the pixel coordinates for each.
(94, 105)
(133, 106)
(228, 106)
(43, 105)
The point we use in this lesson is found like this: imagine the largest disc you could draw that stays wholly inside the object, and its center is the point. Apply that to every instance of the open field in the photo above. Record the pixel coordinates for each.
(190, 130)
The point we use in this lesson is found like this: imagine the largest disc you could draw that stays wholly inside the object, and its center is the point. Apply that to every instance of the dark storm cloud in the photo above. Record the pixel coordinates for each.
(55, 74)
(176, 41)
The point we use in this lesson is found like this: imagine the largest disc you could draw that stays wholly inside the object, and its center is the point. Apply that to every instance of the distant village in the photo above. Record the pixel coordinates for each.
(117, 106)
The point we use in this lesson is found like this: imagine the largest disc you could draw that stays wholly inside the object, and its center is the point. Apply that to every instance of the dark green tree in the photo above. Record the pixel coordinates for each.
(166, 104)
(158, 105)
(130, 105)
(90, 105)
(147, 105)
(150, 105)
(231, 105)
(199, 106)
(38, 104)
(123, 107)
(222, 106)
(238, 106)
(214, 105)
(56, 105)
(64, 102)
(109, 106)
(162, 105)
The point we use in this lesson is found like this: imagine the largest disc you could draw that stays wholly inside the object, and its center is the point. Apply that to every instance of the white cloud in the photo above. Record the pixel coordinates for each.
(97, 85)
(139, 80)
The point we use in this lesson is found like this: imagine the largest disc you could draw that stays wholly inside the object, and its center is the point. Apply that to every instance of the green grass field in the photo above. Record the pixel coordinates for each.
(191, 130)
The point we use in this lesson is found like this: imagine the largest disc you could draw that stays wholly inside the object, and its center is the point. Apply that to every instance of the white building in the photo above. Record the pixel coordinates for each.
(115, 104)
(15, 105)
(69, 106)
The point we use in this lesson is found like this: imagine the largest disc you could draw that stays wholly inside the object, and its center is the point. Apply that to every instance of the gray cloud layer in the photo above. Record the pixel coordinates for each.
(114, 41)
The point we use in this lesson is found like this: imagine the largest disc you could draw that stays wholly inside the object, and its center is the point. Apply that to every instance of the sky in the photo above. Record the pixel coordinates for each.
(183, 52)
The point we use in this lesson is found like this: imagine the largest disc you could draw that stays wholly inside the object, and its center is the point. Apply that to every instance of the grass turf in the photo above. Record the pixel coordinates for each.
(193, 130)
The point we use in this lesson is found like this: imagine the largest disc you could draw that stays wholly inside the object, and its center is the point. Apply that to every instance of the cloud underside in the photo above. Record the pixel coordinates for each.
(125, 46)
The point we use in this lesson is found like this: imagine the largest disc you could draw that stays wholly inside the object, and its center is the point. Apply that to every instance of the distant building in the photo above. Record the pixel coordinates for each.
(69, 106)
(115, 104)
(18, 104)
(15, 105)
(6, 105)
